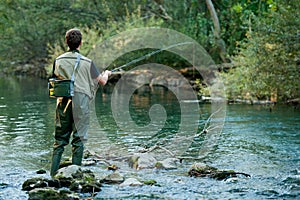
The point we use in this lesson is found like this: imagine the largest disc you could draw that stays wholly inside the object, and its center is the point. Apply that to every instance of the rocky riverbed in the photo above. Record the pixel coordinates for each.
(76, 182)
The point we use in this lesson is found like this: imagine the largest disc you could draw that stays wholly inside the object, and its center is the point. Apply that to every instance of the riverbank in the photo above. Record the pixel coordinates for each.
(153, 77)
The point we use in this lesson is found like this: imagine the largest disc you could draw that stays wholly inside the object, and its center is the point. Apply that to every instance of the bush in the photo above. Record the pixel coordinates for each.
(267, 64)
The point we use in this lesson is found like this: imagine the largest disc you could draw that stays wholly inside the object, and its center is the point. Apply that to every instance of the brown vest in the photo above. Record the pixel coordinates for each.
(84, 83)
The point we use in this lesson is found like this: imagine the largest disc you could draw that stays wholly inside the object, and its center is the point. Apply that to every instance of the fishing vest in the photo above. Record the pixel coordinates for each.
(84, 83)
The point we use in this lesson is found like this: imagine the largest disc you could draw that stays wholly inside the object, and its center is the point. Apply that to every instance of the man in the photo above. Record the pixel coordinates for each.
(72, 113)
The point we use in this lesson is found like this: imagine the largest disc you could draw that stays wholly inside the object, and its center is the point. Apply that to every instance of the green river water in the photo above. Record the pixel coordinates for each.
(254, 140)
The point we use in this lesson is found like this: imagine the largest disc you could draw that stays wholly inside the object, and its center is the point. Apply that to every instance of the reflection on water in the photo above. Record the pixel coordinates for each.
(255, 141)
(26, 118)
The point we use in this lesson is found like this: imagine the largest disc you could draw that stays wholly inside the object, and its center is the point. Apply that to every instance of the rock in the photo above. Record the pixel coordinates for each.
(222, 175)
(168, 163)
(138, 77)
(3, 185)
(75, 186)
(232, 180)
(113, 167)
(203, 170)
(65, 175)
(68, 172)
(113, 178)
(50, 193)
(54, 183)
(146, 161)
(142, 161)
(65, 163)
(160, 80)
(72, 178)
(131, 182)
(175, 82)
(143, 78)
(78, 180)
(85, 187)
(159, 165)
(91, 188)
(89, 162)
(33, 183)
(133, 161)
(85, 182)
(41, 171)
(151, 182)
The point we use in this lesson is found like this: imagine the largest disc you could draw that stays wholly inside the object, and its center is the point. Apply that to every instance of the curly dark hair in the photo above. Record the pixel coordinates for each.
(73, 37)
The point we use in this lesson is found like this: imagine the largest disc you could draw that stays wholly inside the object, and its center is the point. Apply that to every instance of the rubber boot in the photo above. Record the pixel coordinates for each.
(77, 154)
(56, 157)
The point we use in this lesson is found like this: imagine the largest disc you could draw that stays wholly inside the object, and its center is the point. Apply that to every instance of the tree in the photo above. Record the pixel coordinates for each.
(268, 62)
(217, 31)
(28, 26)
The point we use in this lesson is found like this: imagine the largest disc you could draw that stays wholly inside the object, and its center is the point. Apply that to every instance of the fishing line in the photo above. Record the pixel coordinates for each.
(149, 55)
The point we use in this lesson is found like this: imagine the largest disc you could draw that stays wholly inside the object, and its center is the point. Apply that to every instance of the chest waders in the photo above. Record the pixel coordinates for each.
(64, 128)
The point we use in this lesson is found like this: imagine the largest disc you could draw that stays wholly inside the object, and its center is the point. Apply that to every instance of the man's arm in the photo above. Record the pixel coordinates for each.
(102, 78)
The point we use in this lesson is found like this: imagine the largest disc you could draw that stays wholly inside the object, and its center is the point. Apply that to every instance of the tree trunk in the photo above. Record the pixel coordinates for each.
(217, 31)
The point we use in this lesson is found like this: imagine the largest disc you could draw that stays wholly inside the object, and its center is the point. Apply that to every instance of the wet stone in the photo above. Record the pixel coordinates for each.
(33, 183)
(72, 179)
(113, 178)
(131, 182)
(168, 164)
(50, 193)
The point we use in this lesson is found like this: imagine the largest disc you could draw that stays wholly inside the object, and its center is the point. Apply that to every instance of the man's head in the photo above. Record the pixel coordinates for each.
(73, 38)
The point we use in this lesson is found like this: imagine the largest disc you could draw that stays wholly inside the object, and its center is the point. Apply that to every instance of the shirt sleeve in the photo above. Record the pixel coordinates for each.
(94, 71)
(53, 70)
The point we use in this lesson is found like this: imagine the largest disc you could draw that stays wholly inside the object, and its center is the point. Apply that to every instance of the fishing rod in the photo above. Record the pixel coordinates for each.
(149, 55)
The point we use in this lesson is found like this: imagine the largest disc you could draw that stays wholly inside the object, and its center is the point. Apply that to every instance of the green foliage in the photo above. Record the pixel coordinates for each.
(196, 22)
(27, 26)
(203, 88)
(261, 35)
(268, 63)
(95, 34)
(236, 18)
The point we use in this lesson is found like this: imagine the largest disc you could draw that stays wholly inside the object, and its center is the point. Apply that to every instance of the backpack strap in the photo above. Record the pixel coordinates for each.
(76, 66)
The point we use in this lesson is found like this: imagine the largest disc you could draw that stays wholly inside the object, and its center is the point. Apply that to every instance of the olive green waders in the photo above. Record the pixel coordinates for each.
(64, 128)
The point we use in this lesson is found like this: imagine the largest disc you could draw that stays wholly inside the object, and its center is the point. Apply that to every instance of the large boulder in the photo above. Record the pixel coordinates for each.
(142, 161)
(77, 179)
(69, 172)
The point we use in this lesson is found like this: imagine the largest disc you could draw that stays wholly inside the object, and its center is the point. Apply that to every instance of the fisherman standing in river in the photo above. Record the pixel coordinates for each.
(72, 113)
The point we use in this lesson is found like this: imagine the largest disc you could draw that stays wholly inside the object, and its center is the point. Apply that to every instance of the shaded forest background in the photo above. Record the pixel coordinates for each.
(256, 44)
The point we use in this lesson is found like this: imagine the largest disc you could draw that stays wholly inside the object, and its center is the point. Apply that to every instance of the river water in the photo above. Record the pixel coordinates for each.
(254, 140)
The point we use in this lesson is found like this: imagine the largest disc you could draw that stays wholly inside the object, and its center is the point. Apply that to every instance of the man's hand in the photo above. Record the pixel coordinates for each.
(103, 77)
(107, 72)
